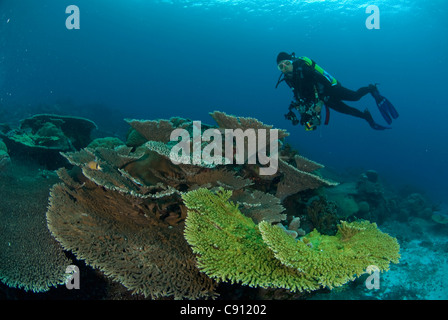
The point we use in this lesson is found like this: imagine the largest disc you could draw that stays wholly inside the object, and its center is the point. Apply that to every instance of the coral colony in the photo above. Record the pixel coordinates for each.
(255, 148)
(214, 213)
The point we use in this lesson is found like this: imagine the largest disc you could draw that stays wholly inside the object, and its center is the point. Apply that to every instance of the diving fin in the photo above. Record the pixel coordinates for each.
(377, 126)
(386, 108)
(368, 117)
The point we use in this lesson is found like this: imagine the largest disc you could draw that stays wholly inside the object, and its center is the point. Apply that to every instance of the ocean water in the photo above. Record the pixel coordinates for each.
(159, 59)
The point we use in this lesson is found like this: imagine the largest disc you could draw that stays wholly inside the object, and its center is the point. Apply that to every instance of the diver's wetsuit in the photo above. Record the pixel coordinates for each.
(304, 79)
(338, 93)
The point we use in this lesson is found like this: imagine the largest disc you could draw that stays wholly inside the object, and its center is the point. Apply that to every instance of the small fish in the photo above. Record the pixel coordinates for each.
(94, 165)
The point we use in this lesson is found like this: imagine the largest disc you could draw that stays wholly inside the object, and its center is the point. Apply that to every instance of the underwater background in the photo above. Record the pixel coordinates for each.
(159, 59)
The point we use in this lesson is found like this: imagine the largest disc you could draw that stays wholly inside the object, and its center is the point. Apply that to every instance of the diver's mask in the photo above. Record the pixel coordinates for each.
(284, 64)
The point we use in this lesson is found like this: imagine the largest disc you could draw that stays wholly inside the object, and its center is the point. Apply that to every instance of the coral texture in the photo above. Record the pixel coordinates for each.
(30, 258)
(51, 131)
(334, 260)
(226, 121)
(231, 247)
(306, 165)
(121, 209)
(157, 130)
(295, 180)
(41, 138)
(124, 238)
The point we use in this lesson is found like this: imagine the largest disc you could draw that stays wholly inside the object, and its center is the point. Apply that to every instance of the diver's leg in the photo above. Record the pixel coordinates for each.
(341, 93)
(341, 107)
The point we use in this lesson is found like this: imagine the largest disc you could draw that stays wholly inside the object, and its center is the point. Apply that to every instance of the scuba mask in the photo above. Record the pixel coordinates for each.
(284, 64)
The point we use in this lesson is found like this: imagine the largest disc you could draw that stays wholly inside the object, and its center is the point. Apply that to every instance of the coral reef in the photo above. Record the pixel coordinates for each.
(295, 180)
(322, 214)
(230, 247)
(415, 205)
(136, 224)
(154, 130)
(294, 226)
(259, 205)
(149, 228)
(334, 260)
(226, 121)
(233, 248)
(363, 198)
(30, 258)
(121, 236)
(121, 209)
(367, 198)
(48, 131)
(107, 142)
(344, 198)
(41, 137)
(439, 218)
(290, 178)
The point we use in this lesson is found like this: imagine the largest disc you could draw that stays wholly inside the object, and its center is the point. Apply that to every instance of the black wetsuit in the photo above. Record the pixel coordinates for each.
(304, 79)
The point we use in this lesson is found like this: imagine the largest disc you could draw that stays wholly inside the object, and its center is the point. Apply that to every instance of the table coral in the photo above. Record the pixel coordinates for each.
(54, 132)
(121, 209)
(155, 130)
(226, 121)
(231, 247)
(295, 180)
(334, 260)
(42, 136)
(121, 236)
(30, 258)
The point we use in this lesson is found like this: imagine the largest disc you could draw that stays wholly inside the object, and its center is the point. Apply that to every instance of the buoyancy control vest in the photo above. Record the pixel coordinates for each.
(306, 94)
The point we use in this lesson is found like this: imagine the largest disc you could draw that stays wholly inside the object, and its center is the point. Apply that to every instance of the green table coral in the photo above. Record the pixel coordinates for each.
(334, 260)
(231, 247)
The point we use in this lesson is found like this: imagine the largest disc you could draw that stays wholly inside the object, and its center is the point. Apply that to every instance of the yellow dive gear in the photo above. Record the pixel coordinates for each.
(309, 126)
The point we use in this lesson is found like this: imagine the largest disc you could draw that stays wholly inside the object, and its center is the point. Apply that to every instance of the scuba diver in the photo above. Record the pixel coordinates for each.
(314, 88)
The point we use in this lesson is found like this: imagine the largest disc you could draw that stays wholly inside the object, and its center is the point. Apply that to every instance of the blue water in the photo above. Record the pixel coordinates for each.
(158, 59)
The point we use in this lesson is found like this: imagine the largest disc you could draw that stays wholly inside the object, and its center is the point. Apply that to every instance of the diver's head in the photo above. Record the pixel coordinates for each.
(284, 62)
